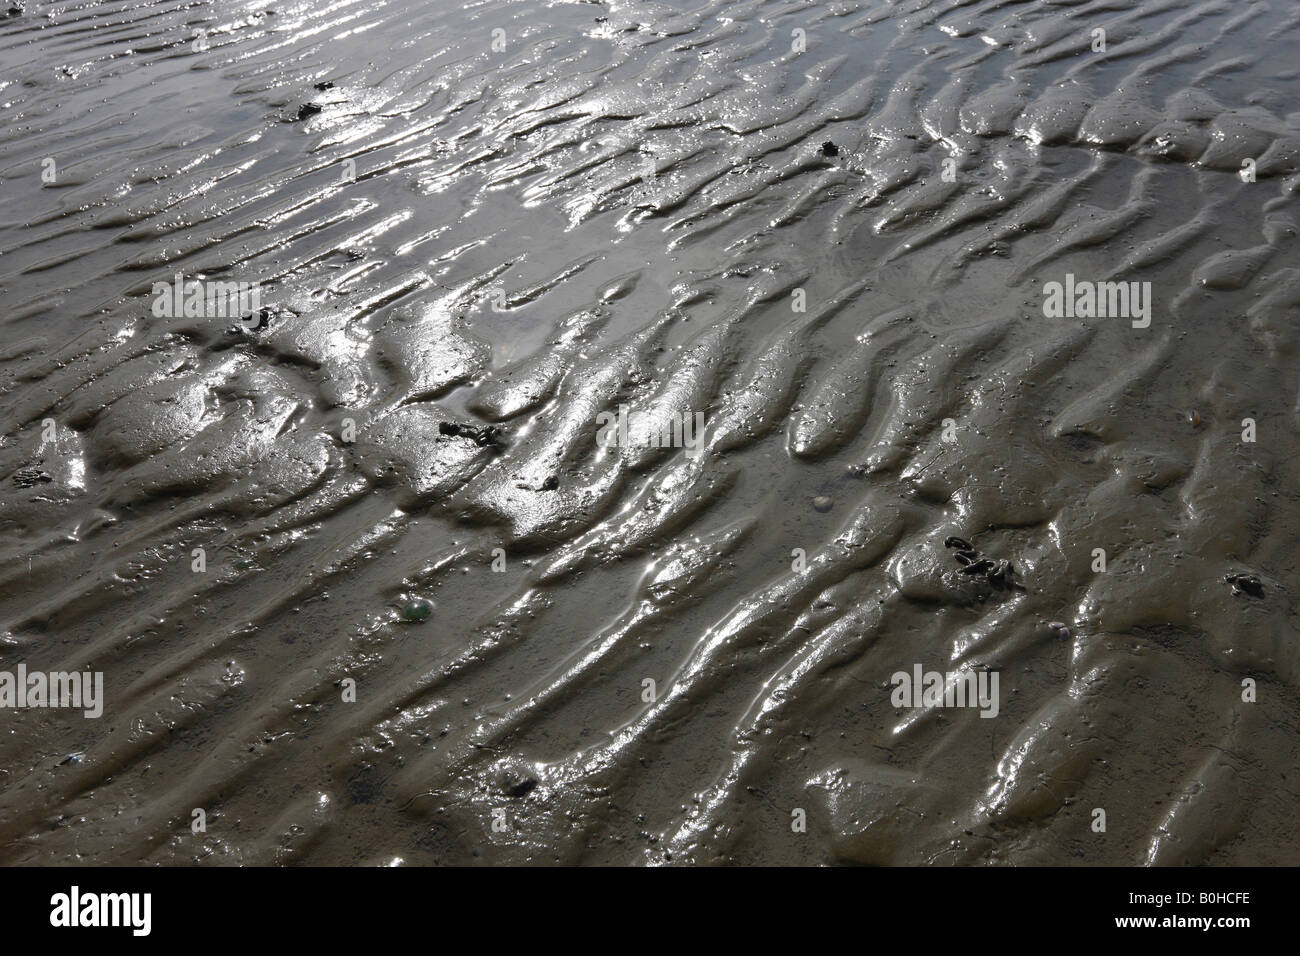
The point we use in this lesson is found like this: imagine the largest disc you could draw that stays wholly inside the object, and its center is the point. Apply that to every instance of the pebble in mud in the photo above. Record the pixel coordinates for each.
(263, 321)
(416, 610)
(308, 109)
(829, 149)
(822, 503)
(522, 788)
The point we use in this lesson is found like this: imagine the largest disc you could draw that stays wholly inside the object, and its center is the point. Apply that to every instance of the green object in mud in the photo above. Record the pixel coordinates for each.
(416, 610)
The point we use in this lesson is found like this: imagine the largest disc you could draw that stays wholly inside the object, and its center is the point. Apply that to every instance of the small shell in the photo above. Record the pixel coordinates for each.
(1059, 626)
(822, 503)
(1195, 419)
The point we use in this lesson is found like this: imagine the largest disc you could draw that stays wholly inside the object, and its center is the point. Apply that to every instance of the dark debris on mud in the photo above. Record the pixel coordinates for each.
(1246, 584)
(998, 571)
(485, 436)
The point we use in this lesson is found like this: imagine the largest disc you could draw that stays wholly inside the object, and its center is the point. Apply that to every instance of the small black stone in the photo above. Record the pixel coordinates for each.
(325, 85)
(551, 483)
(830, 149)
(522, 789)
(308, 109)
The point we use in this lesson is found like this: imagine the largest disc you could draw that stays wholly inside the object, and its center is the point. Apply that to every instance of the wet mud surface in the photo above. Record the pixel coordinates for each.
(432, 602)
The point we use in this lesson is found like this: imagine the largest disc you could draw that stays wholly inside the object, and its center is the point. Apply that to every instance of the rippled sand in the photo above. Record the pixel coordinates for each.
(526, 214)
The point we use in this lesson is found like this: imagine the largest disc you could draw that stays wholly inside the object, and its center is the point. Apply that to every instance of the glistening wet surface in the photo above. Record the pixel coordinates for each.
(366, 585)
